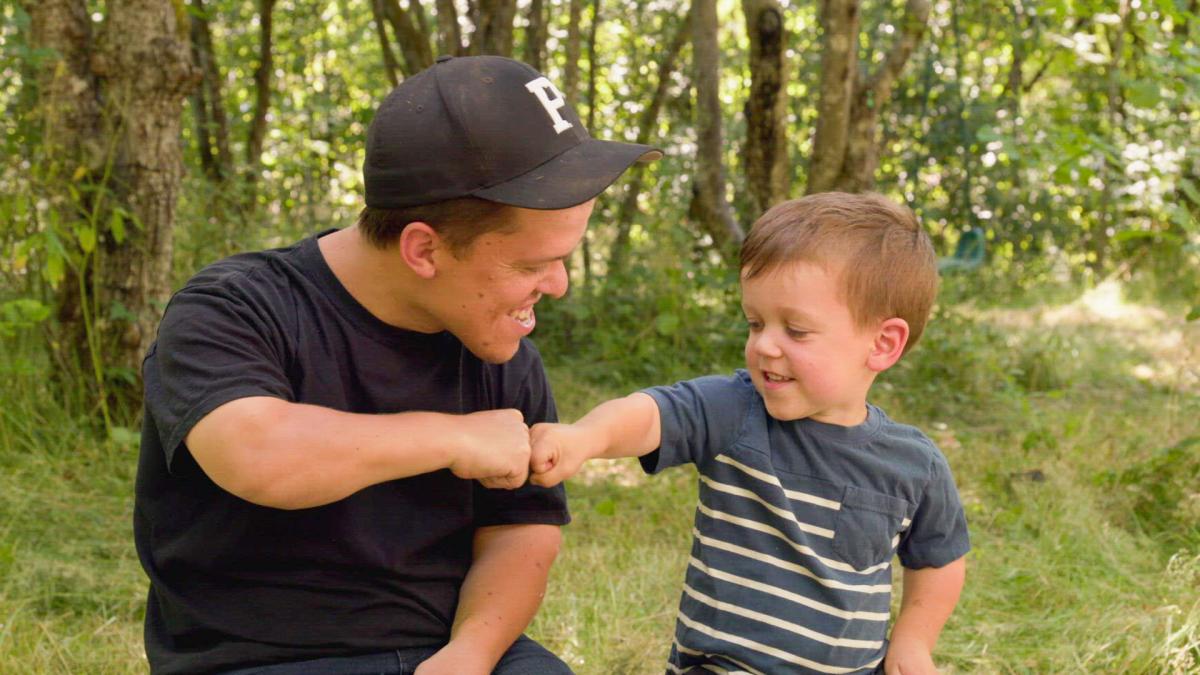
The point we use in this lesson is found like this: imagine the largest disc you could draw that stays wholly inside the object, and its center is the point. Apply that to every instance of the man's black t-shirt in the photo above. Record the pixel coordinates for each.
(233, 584)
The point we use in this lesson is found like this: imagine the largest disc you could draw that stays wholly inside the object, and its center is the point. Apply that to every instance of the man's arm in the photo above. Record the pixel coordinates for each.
(499, 597)
(930, 595)
(623, 427)
(291, 456)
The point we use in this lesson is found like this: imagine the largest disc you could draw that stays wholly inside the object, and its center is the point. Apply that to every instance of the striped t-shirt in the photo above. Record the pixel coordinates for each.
(797, 523)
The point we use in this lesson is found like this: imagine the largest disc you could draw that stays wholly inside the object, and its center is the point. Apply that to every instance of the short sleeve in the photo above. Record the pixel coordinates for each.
(937, 535)
(700, 418)
(530, 393)
(212, 348)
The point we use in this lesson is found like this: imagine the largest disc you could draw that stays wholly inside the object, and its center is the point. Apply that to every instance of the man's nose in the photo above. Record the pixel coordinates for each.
(555, 282)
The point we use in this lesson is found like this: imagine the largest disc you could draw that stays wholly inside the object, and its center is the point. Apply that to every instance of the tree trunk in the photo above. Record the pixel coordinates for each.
(69, 112)
(571, 67)
(143, 58)
(212, 124)
(390, 65)
(839, 71)
(1112, 175)
(262, 91)
(494, 27)
(710, 207)
(449, 34)
(646, 123)
(535, 35)
(414, 44)
(766, 110)
(591, 126)
(846, 144)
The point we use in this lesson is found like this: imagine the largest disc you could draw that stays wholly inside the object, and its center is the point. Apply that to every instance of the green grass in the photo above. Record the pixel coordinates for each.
(1057, 430)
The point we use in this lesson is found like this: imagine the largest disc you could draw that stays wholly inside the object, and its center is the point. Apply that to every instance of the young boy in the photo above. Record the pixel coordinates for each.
(806, 490)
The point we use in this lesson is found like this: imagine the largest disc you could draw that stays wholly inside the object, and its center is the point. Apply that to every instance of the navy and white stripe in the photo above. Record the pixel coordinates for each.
(790, 569)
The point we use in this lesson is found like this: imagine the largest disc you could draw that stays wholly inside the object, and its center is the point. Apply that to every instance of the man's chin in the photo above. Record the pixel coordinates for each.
(495, 354)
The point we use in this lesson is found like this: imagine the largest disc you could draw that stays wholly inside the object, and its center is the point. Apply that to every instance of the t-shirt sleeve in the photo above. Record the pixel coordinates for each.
(699, 419)
(530, 393)
(212, 348)
(937, 535)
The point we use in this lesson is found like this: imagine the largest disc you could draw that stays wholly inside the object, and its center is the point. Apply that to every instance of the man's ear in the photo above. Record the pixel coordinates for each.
(418, 244)
(890, 338)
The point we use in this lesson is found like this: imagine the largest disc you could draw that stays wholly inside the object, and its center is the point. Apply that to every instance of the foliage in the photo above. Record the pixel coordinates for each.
(1064, 130)
(1163, 489)
(1061, 579)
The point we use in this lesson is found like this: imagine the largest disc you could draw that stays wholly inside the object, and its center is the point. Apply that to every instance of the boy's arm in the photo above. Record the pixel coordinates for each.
(623, 427)
(930, 595)
(499, 597)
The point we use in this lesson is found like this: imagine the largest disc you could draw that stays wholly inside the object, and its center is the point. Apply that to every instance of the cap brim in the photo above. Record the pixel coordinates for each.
(572, 177)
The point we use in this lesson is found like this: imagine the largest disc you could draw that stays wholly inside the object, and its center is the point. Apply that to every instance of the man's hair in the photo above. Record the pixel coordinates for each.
(884, 259)
(458, 221)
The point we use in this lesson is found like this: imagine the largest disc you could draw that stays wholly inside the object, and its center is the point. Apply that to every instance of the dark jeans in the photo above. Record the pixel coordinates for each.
(525, 657)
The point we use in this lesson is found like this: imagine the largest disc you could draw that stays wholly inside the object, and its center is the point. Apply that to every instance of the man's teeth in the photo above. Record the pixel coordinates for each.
(524, 316)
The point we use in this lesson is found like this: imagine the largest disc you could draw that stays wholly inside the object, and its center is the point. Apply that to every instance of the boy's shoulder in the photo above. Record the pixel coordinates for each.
(906, 442)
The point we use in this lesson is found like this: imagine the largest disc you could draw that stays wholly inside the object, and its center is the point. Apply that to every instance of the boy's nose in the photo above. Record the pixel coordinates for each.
(763, 345)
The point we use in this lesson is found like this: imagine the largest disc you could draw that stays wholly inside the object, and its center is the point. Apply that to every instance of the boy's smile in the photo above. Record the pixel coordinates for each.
(806, 355)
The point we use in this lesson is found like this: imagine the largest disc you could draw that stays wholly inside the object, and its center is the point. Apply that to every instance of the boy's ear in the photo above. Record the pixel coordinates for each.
(418, 245)
(890, 338)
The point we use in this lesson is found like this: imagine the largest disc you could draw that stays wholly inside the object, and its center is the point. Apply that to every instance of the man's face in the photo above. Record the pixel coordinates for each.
(806, 355)
(486, 295)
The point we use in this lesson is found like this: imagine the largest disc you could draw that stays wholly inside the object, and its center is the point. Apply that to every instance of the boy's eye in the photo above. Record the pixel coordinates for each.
(796, 333)
(753, 325)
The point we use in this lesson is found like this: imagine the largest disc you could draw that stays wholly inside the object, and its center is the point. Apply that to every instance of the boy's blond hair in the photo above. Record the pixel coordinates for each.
(884, 259)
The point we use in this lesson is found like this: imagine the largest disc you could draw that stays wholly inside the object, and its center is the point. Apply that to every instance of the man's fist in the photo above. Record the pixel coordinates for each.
(492, 447)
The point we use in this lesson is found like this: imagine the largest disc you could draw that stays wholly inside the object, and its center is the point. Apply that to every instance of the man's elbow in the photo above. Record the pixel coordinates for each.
(233, 447)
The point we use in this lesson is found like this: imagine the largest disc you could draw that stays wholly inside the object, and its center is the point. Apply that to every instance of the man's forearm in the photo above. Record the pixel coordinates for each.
(502, 592)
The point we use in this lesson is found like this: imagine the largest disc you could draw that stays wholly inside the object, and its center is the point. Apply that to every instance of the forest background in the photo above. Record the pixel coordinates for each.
(1052, 149)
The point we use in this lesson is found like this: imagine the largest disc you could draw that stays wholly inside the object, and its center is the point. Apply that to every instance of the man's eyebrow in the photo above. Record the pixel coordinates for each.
(547, 259)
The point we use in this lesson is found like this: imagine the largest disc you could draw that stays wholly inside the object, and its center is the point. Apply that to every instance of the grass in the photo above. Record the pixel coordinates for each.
(1050, 417)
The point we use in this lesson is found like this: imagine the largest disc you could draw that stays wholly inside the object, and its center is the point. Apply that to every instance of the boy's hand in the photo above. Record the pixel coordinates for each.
(556, 453)
(908, 657)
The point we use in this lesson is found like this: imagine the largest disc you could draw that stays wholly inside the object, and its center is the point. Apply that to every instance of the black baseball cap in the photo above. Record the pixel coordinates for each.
(487, 127)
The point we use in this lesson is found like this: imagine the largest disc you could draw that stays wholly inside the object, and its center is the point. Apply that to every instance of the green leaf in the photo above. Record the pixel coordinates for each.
(1194, 314)
(666, 324)
(1189, 189)
(1183, 218)
(124, 436)
(116, 225)
(1144, 94)
(608, 507)
(87, 239)
(1127, 235)
(55, 269)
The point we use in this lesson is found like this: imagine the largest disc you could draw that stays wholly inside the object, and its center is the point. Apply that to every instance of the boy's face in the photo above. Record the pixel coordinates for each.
(805, 353)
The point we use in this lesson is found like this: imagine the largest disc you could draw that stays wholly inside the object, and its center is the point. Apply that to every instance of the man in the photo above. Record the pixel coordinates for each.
(335, 448)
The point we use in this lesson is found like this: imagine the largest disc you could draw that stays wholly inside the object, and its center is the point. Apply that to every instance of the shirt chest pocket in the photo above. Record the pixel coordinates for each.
(866, 527)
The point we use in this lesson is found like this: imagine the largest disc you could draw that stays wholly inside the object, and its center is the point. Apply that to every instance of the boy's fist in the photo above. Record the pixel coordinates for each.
(556, 453)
